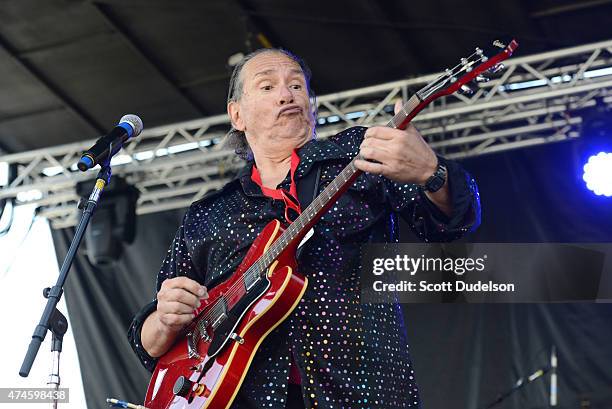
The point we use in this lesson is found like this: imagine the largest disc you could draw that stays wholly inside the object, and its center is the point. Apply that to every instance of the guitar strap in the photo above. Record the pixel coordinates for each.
(308, 187)
(307, 190)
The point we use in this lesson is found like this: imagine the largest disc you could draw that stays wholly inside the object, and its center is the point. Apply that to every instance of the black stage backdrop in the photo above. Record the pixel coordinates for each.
(464, 355)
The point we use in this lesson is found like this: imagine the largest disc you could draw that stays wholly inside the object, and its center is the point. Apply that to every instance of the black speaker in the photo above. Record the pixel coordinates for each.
(113, 222)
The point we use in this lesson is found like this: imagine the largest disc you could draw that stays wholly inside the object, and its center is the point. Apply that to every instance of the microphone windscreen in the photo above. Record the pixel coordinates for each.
(135, 122)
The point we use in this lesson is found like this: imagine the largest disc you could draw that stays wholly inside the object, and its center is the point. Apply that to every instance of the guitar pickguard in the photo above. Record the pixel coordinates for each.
(224, 331)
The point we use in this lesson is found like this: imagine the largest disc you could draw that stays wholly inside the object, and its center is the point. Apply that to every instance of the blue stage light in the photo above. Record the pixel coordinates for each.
(598, 174)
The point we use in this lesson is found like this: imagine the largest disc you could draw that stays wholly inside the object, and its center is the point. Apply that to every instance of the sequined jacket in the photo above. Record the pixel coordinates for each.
(349, 354)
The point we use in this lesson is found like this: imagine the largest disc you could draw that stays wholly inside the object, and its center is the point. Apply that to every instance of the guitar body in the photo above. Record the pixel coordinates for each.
(212, 378)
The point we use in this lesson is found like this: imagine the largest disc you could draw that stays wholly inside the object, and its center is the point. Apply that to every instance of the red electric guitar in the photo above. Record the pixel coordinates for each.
(205, 368)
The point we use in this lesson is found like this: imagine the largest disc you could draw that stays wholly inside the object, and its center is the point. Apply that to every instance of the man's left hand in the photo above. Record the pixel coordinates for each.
(403, 155)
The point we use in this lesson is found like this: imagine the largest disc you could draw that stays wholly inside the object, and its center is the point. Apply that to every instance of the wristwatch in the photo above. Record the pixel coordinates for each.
(436, 181)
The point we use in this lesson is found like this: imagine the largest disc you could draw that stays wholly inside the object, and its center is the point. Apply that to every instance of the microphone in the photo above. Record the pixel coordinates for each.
(108, 145)
(553, 377)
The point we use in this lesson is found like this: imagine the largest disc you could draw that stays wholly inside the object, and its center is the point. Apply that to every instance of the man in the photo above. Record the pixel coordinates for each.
(332, 351)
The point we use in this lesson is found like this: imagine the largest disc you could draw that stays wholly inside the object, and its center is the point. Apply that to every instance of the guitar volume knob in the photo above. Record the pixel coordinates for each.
(182, 386)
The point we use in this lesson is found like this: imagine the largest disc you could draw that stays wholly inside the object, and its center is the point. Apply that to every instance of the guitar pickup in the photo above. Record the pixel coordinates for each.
(219, 320)
(237, 338)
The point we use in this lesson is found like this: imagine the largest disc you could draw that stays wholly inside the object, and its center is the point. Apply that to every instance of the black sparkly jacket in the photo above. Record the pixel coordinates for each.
(349, 354)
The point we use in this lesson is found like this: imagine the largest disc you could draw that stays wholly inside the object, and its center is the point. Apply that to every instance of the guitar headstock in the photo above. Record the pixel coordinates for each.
(475, 67)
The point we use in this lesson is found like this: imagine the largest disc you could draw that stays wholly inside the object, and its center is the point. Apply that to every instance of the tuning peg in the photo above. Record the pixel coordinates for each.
(480, 54)
(466, 64)
(482, 78)
(496, 68)
(499, 44)
(465, 90)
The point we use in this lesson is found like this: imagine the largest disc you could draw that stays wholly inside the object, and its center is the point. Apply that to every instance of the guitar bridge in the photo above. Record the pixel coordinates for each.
(202, 332)
(192, 345)
(199, 333)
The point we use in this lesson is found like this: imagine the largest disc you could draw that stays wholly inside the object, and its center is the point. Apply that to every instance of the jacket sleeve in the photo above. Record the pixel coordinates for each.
(427, 221)
(177, 263)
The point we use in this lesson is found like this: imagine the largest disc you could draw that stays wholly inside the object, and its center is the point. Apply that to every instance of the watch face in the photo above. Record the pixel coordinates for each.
(435, 184)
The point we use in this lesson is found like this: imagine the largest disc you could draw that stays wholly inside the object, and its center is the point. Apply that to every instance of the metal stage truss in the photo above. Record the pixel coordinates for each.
(537, 99)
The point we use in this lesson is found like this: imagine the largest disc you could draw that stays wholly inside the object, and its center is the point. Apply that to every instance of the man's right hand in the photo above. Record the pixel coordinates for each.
(176, 301)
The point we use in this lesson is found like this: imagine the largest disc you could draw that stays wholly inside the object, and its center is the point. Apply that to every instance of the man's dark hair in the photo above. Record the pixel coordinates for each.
(236, 139)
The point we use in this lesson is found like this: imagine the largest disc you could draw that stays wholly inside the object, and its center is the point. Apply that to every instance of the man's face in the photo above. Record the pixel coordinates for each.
(274, 106)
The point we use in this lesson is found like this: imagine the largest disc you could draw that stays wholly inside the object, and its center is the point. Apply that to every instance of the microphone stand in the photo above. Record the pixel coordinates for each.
(553, 377)
(52, 319)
